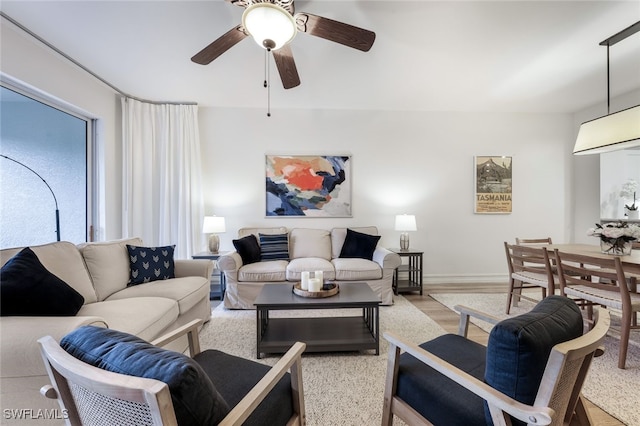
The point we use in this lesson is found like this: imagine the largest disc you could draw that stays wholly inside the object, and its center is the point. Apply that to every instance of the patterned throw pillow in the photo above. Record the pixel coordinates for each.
(274, 247)
(148, 264)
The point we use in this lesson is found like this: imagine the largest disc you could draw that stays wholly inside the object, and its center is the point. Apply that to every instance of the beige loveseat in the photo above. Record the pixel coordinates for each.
(309, 250)
(100, 273)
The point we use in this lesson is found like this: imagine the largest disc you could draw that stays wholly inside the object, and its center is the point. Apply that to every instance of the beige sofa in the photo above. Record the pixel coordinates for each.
(100, 273)
(309, 250)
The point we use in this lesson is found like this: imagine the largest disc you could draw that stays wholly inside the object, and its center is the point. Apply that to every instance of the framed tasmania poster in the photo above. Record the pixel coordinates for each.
(308, 185)
(492, 184)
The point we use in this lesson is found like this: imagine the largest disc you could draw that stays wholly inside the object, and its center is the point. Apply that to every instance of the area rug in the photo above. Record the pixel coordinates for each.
(344, 388)
(610, 388)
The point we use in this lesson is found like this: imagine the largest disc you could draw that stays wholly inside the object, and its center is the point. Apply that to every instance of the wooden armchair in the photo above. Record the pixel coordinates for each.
(531, 371)
(210, 387)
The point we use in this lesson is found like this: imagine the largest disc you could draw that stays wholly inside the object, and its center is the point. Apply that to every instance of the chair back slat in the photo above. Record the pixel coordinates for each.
(525, 241)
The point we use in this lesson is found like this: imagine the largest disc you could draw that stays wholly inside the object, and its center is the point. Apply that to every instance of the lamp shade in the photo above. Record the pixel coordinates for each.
(213, 225)
(406, 222)
(269, 22)
(612, 132)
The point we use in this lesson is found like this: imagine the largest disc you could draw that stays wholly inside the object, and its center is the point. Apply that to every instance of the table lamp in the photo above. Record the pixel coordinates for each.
(213, 225)
(404, 223)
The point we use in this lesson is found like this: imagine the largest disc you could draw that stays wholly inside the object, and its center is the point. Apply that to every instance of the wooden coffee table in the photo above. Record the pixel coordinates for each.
(321, 334)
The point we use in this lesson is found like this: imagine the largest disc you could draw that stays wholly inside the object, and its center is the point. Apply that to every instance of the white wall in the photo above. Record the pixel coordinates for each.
(403, 162)
(28, 61)
(413, 162)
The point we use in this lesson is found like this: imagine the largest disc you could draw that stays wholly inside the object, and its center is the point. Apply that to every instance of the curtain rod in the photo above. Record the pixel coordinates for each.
(87, 70)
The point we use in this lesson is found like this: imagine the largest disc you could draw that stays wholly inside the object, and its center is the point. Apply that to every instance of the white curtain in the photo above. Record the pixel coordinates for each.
(162, 195)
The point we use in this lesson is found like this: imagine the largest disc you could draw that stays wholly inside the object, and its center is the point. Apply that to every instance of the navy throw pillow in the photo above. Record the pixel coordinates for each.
(195, 400)
(248, 249)
(148, 264)
(359, 245)
(274, 247)
(519, 347)
(27, 288)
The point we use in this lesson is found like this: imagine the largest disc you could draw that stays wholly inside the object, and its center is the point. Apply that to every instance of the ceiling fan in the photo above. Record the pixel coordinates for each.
(273, 24)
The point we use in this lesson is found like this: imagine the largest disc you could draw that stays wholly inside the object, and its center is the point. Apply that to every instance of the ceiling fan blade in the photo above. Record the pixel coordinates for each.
(219, 46)
(286, 66)
(335, 31)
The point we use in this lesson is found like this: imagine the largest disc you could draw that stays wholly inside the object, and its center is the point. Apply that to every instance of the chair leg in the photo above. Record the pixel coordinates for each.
(390, 384)
(581, 414)
(298, 391)
(625, 329)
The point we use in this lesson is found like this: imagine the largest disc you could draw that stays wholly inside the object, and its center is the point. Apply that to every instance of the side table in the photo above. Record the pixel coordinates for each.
(408, 276)
(218, 283)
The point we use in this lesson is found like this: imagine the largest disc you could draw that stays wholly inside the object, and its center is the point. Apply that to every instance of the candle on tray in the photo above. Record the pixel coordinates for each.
(304, 280)
(315, 284)
(318, 275)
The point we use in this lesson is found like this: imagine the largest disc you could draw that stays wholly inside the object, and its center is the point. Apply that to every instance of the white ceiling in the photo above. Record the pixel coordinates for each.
(522, 56)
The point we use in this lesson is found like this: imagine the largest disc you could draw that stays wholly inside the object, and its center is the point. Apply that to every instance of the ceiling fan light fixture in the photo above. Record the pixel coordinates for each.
(270, 25)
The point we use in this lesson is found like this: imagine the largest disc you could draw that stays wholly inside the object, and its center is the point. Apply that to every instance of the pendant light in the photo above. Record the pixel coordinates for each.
(615, 131)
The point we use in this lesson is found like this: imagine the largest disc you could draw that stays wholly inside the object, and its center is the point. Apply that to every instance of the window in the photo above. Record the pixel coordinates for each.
(46, 160)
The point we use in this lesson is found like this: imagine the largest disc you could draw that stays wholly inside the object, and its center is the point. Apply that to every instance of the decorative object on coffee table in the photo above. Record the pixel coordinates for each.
(327, 290)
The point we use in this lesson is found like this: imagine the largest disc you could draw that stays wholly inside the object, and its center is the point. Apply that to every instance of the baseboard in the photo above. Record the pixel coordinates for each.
(465, 279)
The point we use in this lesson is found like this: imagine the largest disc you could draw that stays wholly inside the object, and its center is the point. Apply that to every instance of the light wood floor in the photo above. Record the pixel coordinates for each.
(448, 320)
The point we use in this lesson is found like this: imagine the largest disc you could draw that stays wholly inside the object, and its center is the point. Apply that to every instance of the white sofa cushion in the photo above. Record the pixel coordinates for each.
(243, 232)
(146, 317)
(338, 235)
(311, 264)
(306, 242)
(63, 259)
(273, 270)
(356, 269)
(108, 264)
(187, 291)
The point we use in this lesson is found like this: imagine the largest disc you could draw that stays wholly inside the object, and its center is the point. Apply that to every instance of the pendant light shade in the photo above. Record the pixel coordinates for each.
(615, 131)
(270, 25)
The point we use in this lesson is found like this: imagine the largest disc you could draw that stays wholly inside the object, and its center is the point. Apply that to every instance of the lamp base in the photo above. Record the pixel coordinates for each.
(404, 241)
(214, 243)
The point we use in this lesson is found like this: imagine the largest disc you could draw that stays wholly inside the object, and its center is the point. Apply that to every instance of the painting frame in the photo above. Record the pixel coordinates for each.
(493, 184)
(308, 186)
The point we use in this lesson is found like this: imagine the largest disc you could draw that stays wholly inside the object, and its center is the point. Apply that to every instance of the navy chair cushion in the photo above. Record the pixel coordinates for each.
(195, 400)
(433, 395)
(519, 347)
(234, 377)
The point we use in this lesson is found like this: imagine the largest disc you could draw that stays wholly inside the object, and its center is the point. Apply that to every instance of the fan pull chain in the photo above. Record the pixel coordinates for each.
(267, 80)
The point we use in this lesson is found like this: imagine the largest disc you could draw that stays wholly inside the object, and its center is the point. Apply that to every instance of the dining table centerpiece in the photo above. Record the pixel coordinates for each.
(616, 237)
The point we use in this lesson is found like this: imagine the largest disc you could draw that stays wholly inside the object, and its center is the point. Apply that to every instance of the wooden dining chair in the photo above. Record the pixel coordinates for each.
(526, 241)
(529, 267)
(597, 281)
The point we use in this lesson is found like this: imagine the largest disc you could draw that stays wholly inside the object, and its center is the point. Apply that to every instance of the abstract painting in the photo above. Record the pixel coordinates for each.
(308, 185)
(493, 184)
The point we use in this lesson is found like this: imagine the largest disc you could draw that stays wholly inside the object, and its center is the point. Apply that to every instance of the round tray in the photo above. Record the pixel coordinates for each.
(333, 289)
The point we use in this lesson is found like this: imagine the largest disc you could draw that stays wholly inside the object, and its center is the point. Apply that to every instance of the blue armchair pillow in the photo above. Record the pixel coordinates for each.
(27, 288)
(359, 245)
(148, 264)
(195, 400)
(519, 347)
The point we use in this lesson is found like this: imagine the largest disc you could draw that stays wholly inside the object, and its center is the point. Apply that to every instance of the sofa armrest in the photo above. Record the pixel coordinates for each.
(386, 258)
(193, 268)
(230, 262)
(19, 350)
